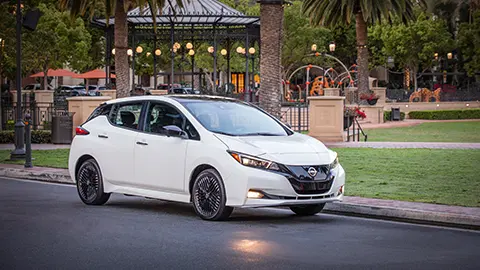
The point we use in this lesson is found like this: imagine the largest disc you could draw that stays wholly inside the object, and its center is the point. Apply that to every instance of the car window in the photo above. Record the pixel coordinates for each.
(101, 110)
(126, 115)
(160, 115)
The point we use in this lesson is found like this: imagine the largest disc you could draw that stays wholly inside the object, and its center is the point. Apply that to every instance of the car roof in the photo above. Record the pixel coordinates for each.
(179, 98)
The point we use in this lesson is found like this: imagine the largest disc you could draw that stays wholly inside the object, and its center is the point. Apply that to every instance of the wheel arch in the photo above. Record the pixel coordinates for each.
(200, 168)
(80, 161)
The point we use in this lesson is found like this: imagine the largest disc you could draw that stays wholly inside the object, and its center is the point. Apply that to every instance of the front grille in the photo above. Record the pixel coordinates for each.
(304, 183)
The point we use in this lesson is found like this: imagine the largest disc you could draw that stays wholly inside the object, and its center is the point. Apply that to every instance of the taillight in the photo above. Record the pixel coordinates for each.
(81, 131)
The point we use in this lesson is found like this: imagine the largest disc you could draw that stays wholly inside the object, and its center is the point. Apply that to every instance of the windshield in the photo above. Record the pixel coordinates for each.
(233, 118)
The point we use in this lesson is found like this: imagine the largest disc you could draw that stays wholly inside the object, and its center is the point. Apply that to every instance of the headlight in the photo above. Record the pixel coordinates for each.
(255, 162)
(334, 164)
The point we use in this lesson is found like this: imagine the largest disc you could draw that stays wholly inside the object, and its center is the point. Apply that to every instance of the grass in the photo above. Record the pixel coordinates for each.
(428, 132)
(43, 158)
(420, 175)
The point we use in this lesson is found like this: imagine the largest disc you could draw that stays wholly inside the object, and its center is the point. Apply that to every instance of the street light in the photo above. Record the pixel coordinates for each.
(139, 49)
(239, 50)
(148, 54)
(158, 52)
(189, 46)
(223, 52)
(191, 52)
(332, 46)
(129, 52)
(449, 56)
(314, 47)
(251, 50)
(211, 49)
(113, 51)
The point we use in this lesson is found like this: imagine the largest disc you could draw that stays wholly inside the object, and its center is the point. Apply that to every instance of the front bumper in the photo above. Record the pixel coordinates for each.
(278, 189)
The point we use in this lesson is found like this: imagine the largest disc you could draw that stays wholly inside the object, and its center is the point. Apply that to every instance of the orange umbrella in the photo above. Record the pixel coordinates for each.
(94, 74)
(56, 73)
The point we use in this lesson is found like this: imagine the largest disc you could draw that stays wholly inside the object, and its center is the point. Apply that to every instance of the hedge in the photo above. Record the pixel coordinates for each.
(38, 136)
(445, 114)
(386, 115)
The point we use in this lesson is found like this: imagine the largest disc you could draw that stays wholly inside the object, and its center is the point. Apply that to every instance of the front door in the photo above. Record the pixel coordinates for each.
(159, 158)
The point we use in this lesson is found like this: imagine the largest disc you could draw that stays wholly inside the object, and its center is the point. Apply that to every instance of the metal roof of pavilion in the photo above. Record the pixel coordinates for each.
(201, 12)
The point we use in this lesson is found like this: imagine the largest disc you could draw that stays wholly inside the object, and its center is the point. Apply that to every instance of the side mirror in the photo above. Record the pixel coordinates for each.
(175, 131)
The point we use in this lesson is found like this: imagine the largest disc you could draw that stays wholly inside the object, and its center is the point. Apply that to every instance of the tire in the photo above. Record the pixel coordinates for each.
(307, 210)
(90, 184)
(209, 196)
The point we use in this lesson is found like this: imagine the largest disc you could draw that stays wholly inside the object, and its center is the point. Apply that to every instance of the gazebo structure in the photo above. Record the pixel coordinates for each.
(197, 22)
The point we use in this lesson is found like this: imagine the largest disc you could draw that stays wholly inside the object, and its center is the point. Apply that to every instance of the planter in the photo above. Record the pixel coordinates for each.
(372, 101)
(347, 122)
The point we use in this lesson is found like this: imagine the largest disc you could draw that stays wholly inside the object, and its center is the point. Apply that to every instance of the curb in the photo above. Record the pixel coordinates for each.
(340, 208)
(30, 174)
(405, 215)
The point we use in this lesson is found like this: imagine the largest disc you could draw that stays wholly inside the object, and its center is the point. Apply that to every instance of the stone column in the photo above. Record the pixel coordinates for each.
(382, 93)
(374, 113)
(326, 118)
(109, 93)
(350, 94)
(82, 107)
(44, 101)
(331, 91)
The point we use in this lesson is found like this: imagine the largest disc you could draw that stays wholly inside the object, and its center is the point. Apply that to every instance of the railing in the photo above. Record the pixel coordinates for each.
(356, 131)
(41, 114)
(296, 116)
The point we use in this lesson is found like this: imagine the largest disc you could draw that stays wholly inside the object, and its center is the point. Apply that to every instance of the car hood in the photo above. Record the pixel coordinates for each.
(297, 149)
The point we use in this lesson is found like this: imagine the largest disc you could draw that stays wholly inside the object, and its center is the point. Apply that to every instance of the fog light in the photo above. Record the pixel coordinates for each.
(254, 195)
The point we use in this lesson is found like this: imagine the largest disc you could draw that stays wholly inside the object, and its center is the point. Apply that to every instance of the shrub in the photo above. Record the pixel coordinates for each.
(445, 114)
(38, 136)
(387, 114)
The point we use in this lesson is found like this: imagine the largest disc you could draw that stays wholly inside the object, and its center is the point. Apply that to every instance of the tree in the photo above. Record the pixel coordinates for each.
(271, 33)
(413, 46)
(298, 38)
(364, 12)
(62, 41)
(469, 45)
(118, 9)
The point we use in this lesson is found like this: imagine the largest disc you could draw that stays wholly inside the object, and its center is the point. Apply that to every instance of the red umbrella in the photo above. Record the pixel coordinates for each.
(56, 73)
(94, 74)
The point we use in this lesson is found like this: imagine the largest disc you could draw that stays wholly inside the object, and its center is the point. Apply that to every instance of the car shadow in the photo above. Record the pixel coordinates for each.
(251, 215)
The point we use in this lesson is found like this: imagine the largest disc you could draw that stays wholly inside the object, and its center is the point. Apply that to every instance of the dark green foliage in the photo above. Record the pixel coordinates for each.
(387, 115)
(38, 136)
(445, 115)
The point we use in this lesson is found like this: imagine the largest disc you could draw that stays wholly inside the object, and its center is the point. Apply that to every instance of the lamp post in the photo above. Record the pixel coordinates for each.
(19, 151)
(443, 63)
(226, 54)
(251, 53)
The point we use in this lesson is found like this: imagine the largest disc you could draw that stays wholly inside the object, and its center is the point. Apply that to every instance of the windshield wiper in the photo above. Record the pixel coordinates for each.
(223, 133)
(260, 134)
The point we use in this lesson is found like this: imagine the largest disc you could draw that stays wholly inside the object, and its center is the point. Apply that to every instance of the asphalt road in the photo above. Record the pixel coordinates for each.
(45, 226)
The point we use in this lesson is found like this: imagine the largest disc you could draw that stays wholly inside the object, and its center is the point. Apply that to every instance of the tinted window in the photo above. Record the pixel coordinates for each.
(102, 110)
(126, 115)
(161, 115)
(234, 118)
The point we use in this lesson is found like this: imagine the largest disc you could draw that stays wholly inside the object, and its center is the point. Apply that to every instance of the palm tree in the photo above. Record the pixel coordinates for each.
(271, 26)
(331, 13)
(118, 9)
(454, 10)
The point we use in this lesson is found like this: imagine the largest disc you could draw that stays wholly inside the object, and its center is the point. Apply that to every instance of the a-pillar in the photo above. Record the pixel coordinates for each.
(326, 118)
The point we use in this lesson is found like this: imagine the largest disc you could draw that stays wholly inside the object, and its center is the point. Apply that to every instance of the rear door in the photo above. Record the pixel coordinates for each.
(116, 136)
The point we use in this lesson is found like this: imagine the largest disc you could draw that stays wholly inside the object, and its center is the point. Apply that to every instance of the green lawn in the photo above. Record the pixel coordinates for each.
(43, 158)
(423, 175)
(428, 132)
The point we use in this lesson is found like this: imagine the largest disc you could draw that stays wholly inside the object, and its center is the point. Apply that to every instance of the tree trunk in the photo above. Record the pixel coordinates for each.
(362, 54)
(271, 27)
(121, 57)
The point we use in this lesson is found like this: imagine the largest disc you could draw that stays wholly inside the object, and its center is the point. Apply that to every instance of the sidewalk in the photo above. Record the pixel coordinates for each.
(453, 216)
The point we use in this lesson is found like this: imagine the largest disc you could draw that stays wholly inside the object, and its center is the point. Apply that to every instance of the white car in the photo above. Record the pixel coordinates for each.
(216, 153)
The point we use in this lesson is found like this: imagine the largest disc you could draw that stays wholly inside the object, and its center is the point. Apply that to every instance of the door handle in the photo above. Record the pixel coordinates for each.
(103, 136)
(142, 143)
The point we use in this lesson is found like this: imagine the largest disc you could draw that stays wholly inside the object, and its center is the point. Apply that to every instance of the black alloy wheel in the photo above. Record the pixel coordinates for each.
(90, 184)
(209, 197)
(307, 210)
